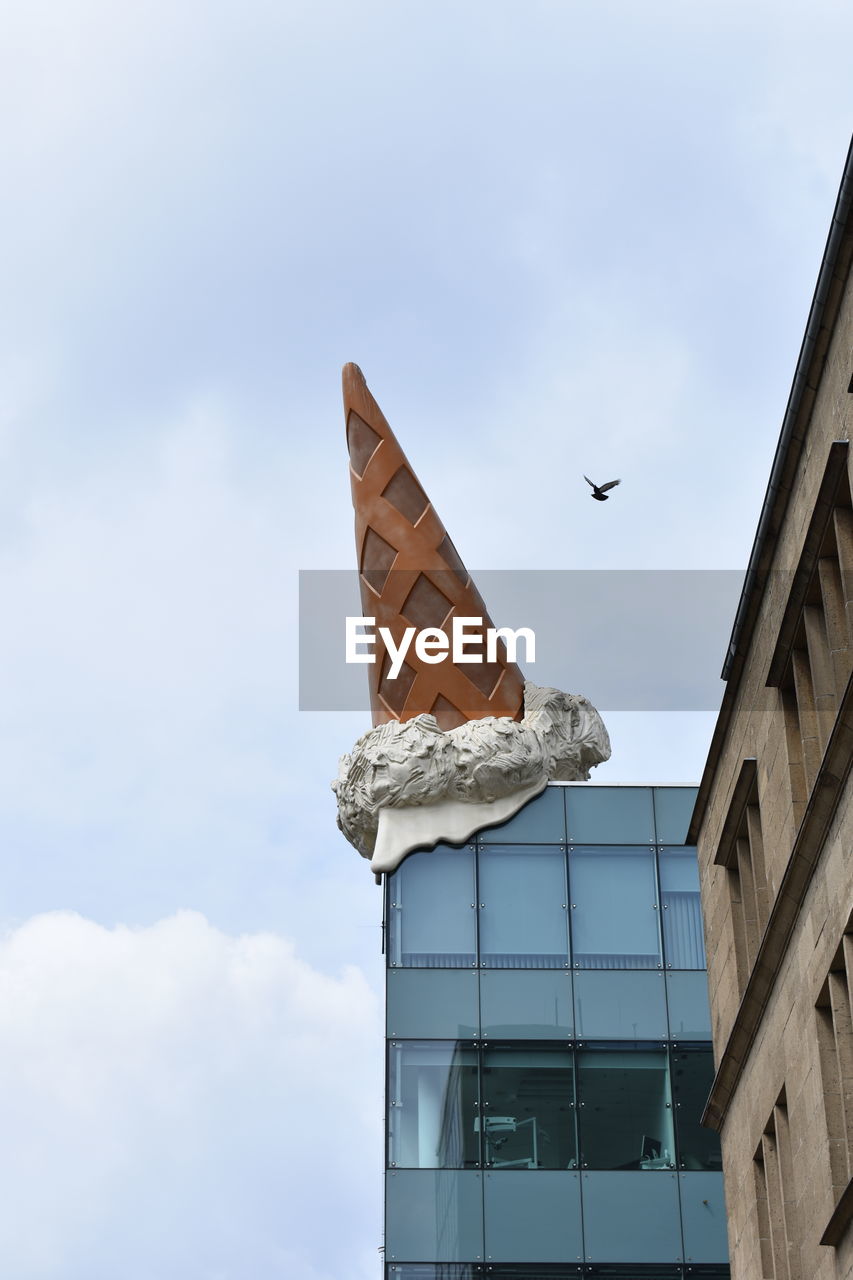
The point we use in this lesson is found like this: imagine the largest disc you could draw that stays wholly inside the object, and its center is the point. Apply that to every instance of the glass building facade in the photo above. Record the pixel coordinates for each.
(548, 1049)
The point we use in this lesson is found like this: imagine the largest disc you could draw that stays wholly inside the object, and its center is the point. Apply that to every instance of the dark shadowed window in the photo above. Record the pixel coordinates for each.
(625, 1111)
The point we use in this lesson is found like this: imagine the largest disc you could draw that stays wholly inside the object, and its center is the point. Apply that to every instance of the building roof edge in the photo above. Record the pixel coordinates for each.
(777, 494)
(809, 363)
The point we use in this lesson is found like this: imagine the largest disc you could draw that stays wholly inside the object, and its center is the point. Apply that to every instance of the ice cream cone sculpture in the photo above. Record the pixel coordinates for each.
(495, 741)
(411, 576)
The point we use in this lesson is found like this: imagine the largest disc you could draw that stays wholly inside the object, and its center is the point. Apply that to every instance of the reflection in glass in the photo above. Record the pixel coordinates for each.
(427, 1004)
(692, 1077)
(682, 914)
(614, 908)
(615, 1271)
(528, 1114)
(625, 1112)
(620, 1005)
(430, 918)
(432, 1089)
(434, 1213)
(610, 815)
(544, 1271)
(621, 1272)
(505, 1271)
(523, 901)
(526, 1004)
(541, 821)
(673, 810)
(536, 1216)
(689, 1010)
(434, 1271)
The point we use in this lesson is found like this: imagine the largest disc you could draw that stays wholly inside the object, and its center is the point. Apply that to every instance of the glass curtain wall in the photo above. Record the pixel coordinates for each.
(549, 1051)
(457, 1105)
(544, 907)
(511, 1271)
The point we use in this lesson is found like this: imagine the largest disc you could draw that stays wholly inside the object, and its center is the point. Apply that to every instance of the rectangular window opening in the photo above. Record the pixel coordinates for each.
(835, 1051)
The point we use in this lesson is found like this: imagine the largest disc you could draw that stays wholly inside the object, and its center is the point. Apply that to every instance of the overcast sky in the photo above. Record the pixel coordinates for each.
(558, 238)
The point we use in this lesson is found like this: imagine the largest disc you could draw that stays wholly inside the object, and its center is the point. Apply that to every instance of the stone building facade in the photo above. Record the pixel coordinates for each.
(774, 828)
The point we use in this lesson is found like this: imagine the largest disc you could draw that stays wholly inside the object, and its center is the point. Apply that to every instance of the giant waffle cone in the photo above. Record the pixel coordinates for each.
(411, 576)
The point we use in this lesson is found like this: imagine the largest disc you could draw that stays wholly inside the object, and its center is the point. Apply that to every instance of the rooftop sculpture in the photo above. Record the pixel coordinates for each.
(455, 747)
(411, 575)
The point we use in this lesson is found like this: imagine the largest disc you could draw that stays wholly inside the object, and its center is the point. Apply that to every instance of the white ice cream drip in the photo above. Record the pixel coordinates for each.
(408, 785)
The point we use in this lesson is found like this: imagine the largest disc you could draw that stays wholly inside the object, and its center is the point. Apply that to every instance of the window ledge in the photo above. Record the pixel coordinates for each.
(841, 1216)
(836, 466)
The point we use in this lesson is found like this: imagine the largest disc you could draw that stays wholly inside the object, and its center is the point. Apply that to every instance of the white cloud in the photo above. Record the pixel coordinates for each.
(178, 1102)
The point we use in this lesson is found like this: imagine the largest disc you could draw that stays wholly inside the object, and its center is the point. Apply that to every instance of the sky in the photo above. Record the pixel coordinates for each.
(558, 238)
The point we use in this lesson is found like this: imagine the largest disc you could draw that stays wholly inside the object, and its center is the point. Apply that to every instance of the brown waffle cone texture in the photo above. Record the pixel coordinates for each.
(412, 576)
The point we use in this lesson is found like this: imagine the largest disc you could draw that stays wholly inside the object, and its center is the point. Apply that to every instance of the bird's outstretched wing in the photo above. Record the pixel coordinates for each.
(611, 484)
(589, 481)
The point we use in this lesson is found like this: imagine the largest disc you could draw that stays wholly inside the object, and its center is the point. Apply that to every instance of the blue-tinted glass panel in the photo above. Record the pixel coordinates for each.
(620, 1005)
(610, 815)
(703, 1216)
(553, 1271)
(432, 1092)
(526, 1004)
(433, 1213)
(433, 1271)
(625, 1110)
(630, 1219)
(673, 811)
(683, 939)
(541, 821)
(505, 1271)
(523, 909)
(431, 920)
(614, 908)
(692, 1077)
(614, 1271)
(439, 1004)
(538, 1219)
(689, 1010)
(528, 1112)
(540, 1271)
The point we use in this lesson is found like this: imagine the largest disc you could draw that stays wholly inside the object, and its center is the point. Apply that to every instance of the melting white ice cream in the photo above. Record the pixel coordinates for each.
(409, 785)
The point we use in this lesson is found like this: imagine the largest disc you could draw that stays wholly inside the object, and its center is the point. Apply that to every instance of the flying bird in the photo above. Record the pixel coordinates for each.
(599, 491)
